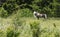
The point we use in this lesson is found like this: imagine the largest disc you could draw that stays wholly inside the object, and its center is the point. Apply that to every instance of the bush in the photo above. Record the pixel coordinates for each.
(10, 7)
(3, 13)
(24, 13)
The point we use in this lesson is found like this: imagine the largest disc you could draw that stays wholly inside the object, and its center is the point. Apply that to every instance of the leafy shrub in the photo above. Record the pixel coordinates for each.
(3, 13)
(10, 7)
(24, 13)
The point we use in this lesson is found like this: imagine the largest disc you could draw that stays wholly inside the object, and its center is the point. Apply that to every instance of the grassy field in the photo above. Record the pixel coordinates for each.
(30, 27)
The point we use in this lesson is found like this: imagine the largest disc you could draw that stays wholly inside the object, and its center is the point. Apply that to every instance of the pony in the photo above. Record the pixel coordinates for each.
(38, 15)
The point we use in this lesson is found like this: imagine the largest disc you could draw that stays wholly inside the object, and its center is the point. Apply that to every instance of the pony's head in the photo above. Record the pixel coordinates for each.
(35, 12)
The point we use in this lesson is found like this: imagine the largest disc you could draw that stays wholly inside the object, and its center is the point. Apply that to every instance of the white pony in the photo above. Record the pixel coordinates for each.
(38, 15)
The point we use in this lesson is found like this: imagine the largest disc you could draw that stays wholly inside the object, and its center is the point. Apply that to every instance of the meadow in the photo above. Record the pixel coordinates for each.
(29, 27)
(17, 20)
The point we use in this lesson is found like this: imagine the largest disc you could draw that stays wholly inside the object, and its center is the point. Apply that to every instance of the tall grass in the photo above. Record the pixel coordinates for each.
(29, 27)
(42, 27)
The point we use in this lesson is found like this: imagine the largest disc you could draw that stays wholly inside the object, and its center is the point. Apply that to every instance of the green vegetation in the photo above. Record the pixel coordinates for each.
(17, 20)
(30, 27)
(50, 7)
